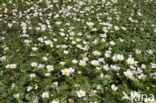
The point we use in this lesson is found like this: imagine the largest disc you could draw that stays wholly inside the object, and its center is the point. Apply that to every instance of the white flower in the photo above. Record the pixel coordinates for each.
(139, 70)
(103, 40)
(143, 66)
(3, 58)
(101, 75)
(96, 53)
(75, 61)
(62, 63)
(16, 96)
(45, 58)
(81, 93)
(65, 72)
(41, 66)
(123, 28)
(138, 51)
(150, 52)
(95, 62)
(142, 76)
(112, 42)
(62, 34)
(29, 88)
(82, 63)
(153, 65)
(79, 72)
(99, 86)
(32, 75)
(107, 55)
(79, 34)
(64, 46)
(55, 1)
(9, 25)
(35, 100)
(40, 39)
(103, 35)
(116, 27)
(34, 48)
(128, 74)
(79, 46)
(55, 40)
(45, 95)
(147, 100)
(47, 74)
(55, 101)
(93, 29)
(72, 33)
(114, 1)
(7, 66)
(34, 64)
(114, 58)
(114, 87)
(101, 59)
(50, 67)
(135, 94)
(71, 70)
(73, 42)
(65, 52)
(55, 84)
(43, 27)
(90, 24)
(105, 67)
(105, 29)
(130, 61)
(48, 42)
(85, 58)
(98, 68)
(27, 41)
(13, 66)
(153, 100)
(114, 67)
(120, 57)
(121, 40)
(13, 85)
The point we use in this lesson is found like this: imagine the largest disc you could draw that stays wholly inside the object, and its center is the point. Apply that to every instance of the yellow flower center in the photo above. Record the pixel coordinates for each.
(82, 64)
(120, 58)
(45, 95)
(135, 96)
(113, 87)
(142, 77)
(50, 68)
(65, 72)
(94, 94)
(96, 64)
(105, 68)
(34, 65)
(148, 102)
(128, 75)
(81, 94)
(143, 66)
(129, 62)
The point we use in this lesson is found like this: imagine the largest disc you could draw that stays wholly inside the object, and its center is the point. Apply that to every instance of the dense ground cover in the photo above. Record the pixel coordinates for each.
(77, 51)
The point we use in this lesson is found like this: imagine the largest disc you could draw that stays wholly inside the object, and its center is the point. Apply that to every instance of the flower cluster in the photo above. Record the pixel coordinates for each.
(67, 71)
(77, 51)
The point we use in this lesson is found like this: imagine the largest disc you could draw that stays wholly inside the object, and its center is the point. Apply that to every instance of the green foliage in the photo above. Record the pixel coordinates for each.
(65, 39)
